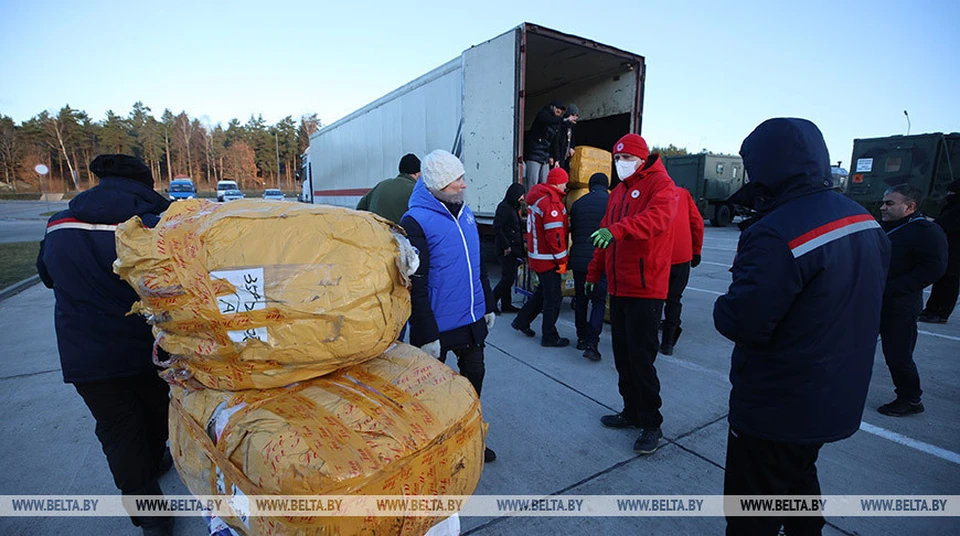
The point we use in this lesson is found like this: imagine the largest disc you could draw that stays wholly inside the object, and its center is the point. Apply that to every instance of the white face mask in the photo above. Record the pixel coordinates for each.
(625, 168)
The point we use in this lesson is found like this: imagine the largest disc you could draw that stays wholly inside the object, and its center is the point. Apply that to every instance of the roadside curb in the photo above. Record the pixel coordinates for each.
(17, 288)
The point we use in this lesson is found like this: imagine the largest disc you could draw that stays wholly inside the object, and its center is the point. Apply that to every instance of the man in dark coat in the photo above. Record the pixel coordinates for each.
(918, 258)
(803, 311)
(538, 141)
(564, 142)
(104, 352)
(943, 295)
(509, 243)
(585, 216)
(389, 197)
(451, 301)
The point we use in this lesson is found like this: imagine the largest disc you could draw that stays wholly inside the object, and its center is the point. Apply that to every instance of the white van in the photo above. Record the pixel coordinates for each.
(223, 186)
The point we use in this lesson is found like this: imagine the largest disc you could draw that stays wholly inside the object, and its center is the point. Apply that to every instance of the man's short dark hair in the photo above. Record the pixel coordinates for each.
(409, 164)
(910, 193)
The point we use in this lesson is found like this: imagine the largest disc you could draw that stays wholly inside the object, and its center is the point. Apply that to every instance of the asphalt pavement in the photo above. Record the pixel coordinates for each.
(543, 406)
(24, 221)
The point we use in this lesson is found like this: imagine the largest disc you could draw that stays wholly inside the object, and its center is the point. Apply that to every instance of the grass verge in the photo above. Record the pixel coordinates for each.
(18, 261)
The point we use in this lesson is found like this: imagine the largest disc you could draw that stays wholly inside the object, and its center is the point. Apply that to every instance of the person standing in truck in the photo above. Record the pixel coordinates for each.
(452, 306)
(634, 249)
(564, 142)
(389, 197)
(538, 141)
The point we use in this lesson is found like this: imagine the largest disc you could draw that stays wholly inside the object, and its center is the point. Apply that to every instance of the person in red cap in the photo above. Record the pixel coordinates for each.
(687, 245)
(547, 229)
(635, 248)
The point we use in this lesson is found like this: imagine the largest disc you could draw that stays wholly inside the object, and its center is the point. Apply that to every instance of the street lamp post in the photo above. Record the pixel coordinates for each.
(42, 170)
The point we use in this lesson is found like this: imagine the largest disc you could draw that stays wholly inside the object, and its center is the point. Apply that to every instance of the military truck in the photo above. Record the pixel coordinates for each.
(930, 161)
(711, 179)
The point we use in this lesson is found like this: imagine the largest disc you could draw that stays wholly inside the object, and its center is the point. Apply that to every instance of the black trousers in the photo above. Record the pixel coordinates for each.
(633, 330)
(131, 416)
(589, 324)
(898, 338)
(545, 299)
(679, 276)
(503, 292)
(943, 296)
(760, 467)
(470, 364)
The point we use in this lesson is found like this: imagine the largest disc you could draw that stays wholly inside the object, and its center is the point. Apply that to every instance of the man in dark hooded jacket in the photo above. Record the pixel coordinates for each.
(508, 239)
(105, 353)
(804, 312)
(943, 295)
(585, 216)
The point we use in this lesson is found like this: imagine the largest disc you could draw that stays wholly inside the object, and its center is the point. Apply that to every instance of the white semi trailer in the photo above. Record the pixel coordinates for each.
(478, 107)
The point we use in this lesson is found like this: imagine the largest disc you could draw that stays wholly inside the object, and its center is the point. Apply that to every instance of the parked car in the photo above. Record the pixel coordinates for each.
(182, 188)
(223, 186)
(273, 193)
(231, 195)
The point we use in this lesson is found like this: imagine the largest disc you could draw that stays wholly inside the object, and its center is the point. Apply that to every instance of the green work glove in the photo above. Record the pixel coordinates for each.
(588, 288)
(601, 238)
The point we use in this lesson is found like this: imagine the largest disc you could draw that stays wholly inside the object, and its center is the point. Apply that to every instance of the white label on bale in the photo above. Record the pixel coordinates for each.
(249, 295)
(864, 165)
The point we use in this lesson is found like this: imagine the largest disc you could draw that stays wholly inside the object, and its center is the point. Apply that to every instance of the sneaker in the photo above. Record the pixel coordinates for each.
(592, 353)
(582, 345)
(526, 331)
(562, 342)
(617, 420)
(932, 319)
(666, 349)
(489, 455)
(648, 441)
(901, 408)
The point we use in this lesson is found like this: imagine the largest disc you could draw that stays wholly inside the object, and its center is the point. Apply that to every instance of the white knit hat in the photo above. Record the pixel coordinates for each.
(439, 169)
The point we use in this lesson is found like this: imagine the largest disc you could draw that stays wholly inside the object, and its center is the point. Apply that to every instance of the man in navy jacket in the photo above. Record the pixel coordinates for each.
(585, 216)
(104, 353)
(804, 312)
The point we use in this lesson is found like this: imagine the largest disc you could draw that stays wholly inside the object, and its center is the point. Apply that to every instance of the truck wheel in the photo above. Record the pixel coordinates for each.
(721, 216)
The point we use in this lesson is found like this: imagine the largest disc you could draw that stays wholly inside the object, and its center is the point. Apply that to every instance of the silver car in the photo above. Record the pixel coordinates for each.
(274, 194)
(230, 195)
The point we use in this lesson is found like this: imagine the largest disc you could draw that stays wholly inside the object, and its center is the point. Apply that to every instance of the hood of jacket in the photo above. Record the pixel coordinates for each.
(784, 158)
(540, 190)
(116, 200)
(512, 197)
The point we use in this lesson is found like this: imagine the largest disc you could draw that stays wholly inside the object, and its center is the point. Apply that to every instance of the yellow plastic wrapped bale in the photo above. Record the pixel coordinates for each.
(400, 424)
(585, 162)
(250, 294)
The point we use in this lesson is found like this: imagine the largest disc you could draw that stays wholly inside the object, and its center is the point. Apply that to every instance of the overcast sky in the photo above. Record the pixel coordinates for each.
(714, 69)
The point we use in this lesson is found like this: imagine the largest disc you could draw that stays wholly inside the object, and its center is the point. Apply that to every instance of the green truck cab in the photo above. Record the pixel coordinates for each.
(929, 161)
(711, 180)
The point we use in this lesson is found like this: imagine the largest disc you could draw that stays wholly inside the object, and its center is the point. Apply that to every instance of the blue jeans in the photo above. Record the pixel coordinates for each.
(589, 331)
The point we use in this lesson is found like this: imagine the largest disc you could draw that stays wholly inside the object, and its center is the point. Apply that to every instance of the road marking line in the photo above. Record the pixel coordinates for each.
(721, 249)
(941, 453)
(715, 293)
(932, 334)
(724, 264)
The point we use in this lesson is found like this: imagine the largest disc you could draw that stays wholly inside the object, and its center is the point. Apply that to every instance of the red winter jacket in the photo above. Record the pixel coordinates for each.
(687, 229)
(640, 216)
(546, 228)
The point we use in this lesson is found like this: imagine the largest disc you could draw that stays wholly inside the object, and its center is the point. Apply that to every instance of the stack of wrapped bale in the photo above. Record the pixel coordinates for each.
(585, 162)
(281, 321)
